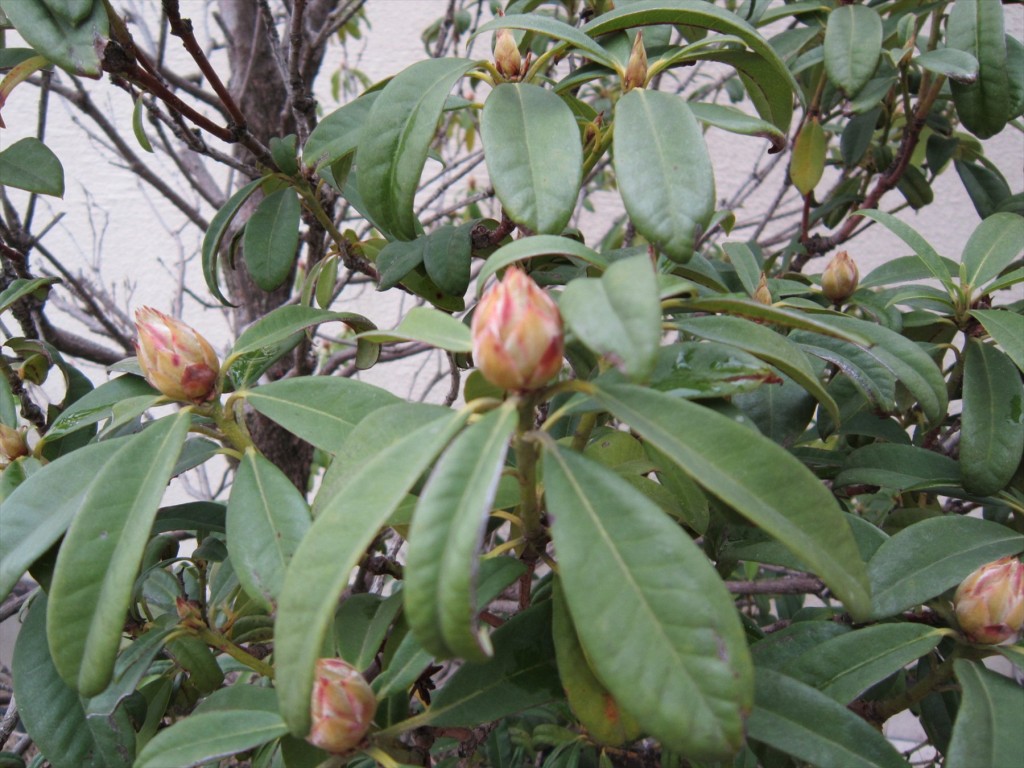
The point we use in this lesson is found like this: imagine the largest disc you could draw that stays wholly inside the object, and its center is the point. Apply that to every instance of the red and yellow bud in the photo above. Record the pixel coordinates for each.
(517, 334)
(343, 706)
(636, 67)
(990, 602)
(840, 278)
(175, 358)
(506, 55)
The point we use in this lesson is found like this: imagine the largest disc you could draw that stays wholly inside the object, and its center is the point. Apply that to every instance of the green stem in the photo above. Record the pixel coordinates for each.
(221, 643)
(526, 464)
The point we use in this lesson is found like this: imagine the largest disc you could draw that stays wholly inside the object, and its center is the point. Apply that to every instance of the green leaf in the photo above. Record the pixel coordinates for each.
(217, 231)
(138, 127)
(342, 530)
(986, 186)
(21, 287)
(533, 247)
(206, 736)
(992, 420)
(534, 156)
(853, 43)
(800, 721)
(929, 557)
(40, 509)
(520, 675)
(808, 162)
(993, 246)
(429, 326)
(397, 259)
(765, 344)
(618, 315)
(320, 409)
(447, 253)
(396, 138)
(96, 567)
(791, 318)
(737, 121)
(266, 519)
(31, 165)
(845, 666)
(899, 467)
(67, 39)
(362, 624)
(337, 134)
(674, 656)
(272, 237)
(99, 404)
(1006, 329)
(446, 535)
(956, 65)
(404, 669)
(555, 29)
(663, 170)
(977, 28)
(987, 731)
(771, 95)
(742, 468)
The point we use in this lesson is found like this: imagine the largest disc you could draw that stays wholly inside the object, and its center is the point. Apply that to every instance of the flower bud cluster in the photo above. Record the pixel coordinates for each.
(174, 358)
(342, 708)
(989, 603)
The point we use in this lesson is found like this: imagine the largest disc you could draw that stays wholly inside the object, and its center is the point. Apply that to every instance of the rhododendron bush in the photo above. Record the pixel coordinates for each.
(701, 492)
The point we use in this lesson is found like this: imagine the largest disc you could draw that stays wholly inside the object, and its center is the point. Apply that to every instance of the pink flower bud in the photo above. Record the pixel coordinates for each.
(990, 602)
(636, 67)
(175, 359)
(840, 278)
(507, 59)
(343, 706)
(517, 334)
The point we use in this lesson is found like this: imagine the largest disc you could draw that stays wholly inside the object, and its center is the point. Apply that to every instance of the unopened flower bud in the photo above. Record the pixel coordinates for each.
(517, 334)
(506, 54)
(342, 708)
(763, 294)
(636, 68)
(175, 358)
(12, 444)
(990, 602)
(840, 278)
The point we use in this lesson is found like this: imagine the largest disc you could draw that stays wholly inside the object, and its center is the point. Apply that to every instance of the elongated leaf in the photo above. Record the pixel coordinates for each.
(430, 326)
(271, 238)
(216, 233)
(992, 425)
(675, 656)
(765, 344)
(343, 529)
(800, 721)
(534, 156)
(899, 467)
(99, 404)
(993, 246)
(532, 247)
(853, 43)
(446, 534)
(736, 121)
(337, 134)
(553, 28)
(978, 28)
(31, 165)
(362, 624)
(21, 287)
(842, 667)
(618, 315)
(66, 39)
(956, 65)
(663, 170)
(40, 509)
(791, 318)
(266, 519)
(204, 737)
(929, 557)
(987, 731)
(92, 582)
(320, 409)
(808, 163)
(396, 137)
(1006, 329)
(771, 95)
(742, 468)
(920, 246)
(446, 257)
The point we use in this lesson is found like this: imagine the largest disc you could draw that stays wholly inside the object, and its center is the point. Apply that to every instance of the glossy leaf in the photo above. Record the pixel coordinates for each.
(553, 28)
(978, 28)
(40, 509)
(217, 231)
(898, 467)
(362, 624)
(320, 409)
(737, 121)
(771, 95)
(271, 238)
(664, 175)
(68, 40)
(206, 736)
(796, 719)
(808, 162)
(741, 468)
(533, 247)
(987, 731)
(618, 315)
(446, 535)
(929, 557)
(138, 127)
(954, 64)
(337, 134)
(99, 404)
(396, 138)
(429, 326)
(31, 165)
(853, 43)
(342, 530)
(675, 656)
(21, 287)
(992, 247)
(447, 254)
(1006, 329)
(407, 664)
(266, 519)
(790, 318)
(534, 156)
(845, 666)
(92, 583)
